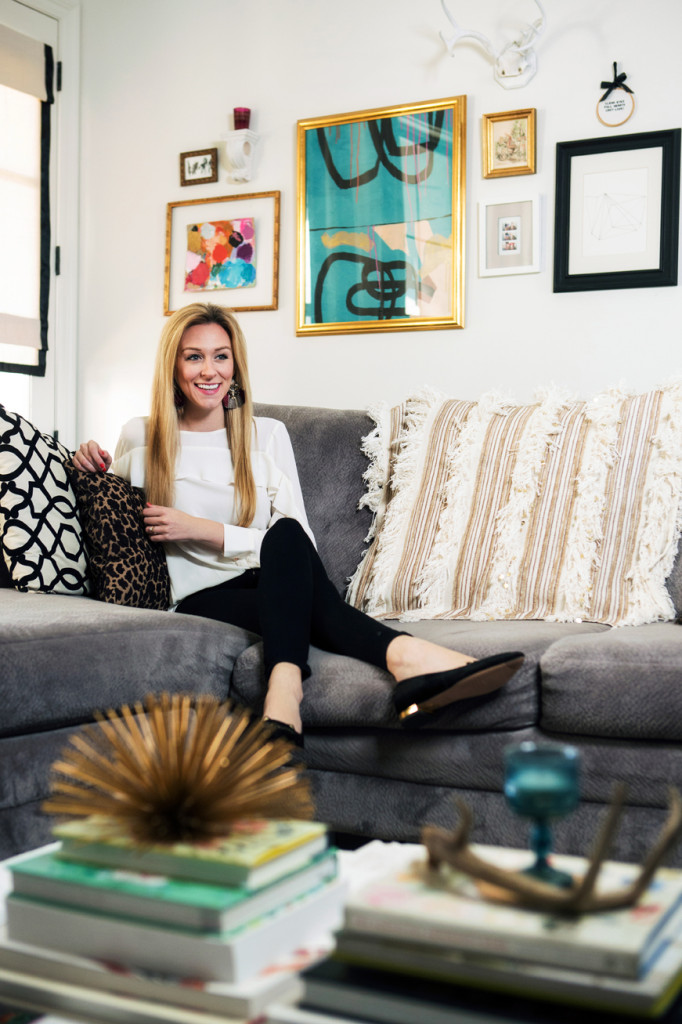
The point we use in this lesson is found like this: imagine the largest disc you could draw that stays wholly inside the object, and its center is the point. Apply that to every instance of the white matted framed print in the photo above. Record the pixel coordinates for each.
(616, 222)
(509, 236)
(223, 250)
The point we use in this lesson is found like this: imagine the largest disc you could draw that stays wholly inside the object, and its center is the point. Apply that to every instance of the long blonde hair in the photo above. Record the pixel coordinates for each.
(163, 435)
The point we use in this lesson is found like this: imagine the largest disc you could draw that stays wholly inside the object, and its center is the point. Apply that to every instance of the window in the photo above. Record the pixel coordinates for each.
(26, 72)
(50, 401)
(20, 118)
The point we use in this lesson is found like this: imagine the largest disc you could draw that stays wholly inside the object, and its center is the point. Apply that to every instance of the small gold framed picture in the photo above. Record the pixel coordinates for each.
(508, 143)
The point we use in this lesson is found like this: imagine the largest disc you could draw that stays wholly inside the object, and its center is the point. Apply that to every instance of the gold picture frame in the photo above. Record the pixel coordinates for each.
(226, 281)
(381, 199)
(509, 144)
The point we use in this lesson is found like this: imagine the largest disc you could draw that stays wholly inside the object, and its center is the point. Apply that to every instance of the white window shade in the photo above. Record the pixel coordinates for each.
(22, 63)
(19, 339)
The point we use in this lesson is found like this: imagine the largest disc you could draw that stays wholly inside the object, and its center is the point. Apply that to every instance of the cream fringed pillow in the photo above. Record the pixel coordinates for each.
(559, 510)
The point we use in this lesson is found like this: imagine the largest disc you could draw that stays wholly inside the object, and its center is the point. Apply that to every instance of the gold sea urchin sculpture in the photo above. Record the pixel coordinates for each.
(177, 769)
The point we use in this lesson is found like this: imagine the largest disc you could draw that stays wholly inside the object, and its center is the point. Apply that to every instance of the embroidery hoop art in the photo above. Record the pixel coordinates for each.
(611, 107)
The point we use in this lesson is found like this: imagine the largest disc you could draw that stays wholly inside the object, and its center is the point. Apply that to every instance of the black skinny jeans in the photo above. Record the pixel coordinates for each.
(291, 602)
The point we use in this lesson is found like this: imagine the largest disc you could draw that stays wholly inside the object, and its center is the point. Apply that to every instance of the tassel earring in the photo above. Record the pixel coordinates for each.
(235, 397)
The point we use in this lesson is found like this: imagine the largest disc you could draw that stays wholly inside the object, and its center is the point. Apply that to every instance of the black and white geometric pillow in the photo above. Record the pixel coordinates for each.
(40, 533)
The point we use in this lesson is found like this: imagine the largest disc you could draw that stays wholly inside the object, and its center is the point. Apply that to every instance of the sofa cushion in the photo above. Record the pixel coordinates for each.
(42, 542)
(125, 567)
(346, 693)
(327, 445)
(625, 684)
(557, 510)
(65, 657)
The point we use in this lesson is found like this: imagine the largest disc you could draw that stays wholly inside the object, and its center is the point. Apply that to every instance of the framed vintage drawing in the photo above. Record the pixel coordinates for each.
(508, 143)
(509, 237)
(381, 219)
(617, 212)
(199, 167)
(223, 249)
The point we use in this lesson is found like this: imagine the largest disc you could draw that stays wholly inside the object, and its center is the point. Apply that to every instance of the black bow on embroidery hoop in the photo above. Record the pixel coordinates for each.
(617, 83)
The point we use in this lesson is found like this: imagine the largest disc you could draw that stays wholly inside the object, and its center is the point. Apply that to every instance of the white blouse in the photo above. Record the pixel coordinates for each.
(204, 487)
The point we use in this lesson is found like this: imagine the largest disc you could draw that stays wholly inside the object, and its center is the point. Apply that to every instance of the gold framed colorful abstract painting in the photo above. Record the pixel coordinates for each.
(224, 250)
(381, 219)
(508, 143)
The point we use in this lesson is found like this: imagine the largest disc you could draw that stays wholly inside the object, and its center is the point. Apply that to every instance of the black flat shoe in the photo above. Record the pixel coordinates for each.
(417, 699)
(282, 731)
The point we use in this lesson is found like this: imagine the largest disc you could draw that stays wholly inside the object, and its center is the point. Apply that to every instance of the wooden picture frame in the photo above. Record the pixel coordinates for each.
(199, 167)
(617, 212)
(223, 249)
(508, 143)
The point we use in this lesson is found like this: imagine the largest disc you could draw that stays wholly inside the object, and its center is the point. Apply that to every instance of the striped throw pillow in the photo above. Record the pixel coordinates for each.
(561, 509)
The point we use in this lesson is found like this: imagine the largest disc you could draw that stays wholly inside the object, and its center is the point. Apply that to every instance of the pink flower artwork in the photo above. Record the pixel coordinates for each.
(220, 255)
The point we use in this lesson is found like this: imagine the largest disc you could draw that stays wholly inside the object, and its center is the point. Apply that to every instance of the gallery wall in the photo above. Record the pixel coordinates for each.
(160, 77)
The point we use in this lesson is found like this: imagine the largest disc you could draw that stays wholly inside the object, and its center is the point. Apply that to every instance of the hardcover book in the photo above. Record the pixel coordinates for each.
(255, 853)
(349, 992)
(446, 908)
(648, 996)
(249, 998)
(221, 956)
(173, 901)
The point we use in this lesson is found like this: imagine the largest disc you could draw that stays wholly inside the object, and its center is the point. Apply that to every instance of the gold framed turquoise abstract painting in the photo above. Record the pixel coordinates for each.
(381, 219)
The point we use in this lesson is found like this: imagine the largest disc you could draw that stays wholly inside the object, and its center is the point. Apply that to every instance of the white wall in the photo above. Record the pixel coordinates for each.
(161, 76)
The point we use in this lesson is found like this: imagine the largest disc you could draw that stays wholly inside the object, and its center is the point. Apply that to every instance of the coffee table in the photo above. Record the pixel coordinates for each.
(79, 1002)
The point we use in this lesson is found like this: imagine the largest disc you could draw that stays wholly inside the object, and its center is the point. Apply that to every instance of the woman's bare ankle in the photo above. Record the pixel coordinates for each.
(408, 656)
(284, 696)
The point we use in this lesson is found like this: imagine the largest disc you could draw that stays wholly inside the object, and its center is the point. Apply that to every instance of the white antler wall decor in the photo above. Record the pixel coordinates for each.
(514, 64)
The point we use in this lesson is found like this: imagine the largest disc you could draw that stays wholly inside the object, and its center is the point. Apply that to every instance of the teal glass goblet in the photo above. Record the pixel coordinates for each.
(541, 782)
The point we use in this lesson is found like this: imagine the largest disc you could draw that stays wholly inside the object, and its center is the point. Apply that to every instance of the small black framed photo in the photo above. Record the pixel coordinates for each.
(199, 167)
(617, 212)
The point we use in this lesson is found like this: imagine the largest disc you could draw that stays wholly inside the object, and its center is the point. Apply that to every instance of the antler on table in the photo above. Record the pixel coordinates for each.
(453, 848)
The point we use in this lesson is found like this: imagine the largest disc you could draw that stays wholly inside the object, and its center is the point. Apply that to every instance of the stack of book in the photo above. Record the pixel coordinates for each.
(416, 945)
(222, 927)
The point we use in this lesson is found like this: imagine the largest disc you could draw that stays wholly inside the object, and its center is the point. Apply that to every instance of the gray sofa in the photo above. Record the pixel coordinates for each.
(615, 693)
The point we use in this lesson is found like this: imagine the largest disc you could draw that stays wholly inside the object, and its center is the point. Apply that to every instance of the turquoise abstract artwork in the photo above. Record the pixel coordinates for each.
(379, 218)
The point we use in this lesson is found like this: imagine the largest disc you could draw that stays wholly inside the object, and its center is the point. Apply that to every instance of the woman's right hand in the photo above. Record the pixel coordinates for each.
(91, 458)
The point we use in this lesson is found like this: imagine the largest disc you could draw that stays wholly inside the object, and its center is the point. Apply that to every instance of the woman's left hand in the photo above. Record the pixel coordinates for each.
(164, 524)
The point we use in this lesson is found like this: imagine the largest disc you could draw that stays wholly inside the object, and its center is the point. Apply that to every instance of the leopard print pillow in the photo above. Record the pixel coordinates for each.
(125, 567)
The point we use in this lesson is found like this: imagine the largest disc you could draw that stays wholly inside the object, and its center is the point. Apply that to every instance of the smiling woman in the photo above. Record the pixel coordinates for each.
(203, 374)
(224, 499)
